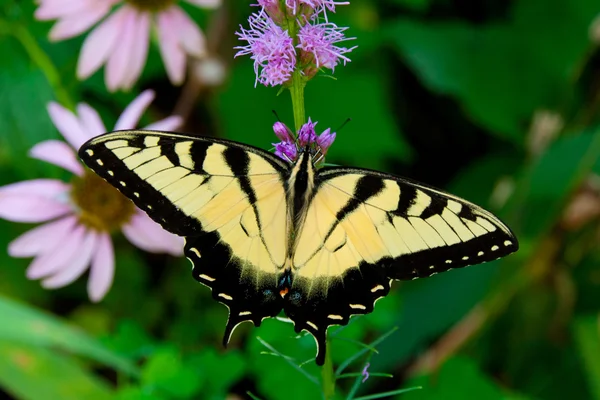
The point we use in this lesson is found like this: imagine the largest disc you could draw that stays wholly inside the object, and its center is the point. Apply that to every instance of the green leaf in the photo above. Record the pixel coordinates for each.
(388, 394)
(459, 378)
(24, 325)
(136, 393)
(416, 5)
(542, 191)
(218, 371)
(587, 338)
(32, 373)
(166, 371)
(429, 307)
(501, 72)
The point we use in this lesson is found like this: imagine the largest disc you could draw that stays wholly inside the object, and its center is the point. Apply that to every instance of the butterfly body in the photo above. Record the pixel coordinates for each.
(321, 244)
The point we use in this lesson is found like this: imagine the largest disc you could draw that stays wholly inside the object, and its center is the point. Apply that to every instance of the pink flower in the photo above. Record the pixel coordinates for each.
(121, 41)
(271, 47)
(79, 216)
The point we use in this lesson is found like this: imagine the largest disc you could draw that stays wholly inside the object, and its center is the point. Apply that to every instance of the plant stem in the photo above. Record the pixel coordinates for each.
(41, 59)
(297, 92)
(297, 86)
(327, 375)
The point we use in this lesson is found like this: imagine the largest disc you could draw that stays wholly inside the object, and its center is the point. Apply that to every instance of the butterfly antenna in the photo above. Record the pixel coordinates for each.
(344, 124)
(276, 115)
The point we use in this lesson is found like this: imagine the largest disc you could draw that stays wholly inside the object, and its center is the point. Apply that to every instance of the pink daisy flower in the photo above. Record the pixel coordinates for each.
(121, 41)
(80, 216)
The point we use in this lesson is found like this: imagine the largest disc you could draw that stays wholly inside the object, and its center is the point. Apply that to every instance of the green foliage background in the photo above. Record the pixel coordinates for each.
(443, 91)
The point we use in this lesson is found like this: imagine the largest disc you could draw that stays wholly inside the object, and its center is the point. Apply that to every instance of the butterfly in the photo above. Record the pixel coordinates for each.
(266, 235)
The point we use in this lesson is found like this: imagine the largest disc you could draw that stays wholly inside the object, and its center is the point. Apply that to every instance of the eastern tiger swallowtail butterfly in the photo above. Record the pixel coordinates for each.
(266, 235)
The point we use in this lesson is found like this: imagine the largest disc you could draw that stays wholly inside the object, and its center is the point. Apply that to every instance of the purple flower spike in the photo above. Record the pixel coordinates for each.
(271, 47)
(318, 40)
(307, 134)
(325, 140)
(283, 132)
(286, 151)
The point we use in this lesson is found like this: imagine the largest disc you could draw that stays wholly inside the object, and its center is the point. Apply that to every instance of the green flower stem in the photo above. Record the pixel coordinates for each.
(39, 58)
(297, 92)
(298, 83)
(327, 375)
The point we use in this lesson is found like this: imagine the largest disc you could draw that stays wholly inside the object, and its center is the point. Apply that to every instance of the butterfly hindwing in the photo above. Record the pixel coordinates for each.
(364, 228)
(227, 199)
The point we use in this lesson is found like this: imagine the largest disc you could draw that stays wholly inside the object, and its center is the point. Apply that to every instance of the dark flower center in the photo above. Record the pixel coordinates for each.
(101, 206)
(151, 5)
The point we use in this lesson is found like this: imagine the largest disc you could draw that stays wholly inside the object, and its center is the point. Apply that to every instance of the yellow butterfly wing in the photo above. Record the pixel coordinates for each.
(364, 229)
(227, 199)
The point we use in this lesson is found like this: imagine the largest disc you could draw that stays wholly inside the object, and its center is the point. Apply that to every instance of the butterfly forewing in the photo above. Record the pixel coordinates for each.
(227, 199)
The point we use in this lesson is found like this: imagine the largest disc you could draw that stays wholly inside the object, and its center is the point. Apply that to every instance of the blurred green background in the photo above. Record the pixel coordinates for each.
(496, 101)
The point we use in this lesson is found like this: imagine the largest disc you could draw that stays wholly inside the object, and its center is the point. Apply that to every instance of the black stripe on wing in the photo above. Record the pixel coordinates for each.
(425, 262)
(97, 155)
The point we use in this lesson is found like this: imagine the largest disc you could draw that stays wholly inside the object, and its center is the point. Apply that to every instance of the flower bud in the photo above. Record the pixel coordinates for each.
(325, 140)
(284, 133)
(307, 134)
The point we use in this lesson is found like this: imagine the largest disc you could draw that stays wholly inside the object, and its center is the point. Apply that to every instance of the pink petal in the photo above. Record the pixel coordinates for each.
(57, 258)
(67, 124)
(205, 3)
(77, 23)
(57, 153)
(168, 124)
(132, 114)
(119, 62)
(100, 43)
(90, 121)
(31, 209)
(149, 236)
(53, 9)
(76, 266)
(48, 188)
(102, 270)
(172, 54)
(191, 37)
(140, 50)
(41, 239)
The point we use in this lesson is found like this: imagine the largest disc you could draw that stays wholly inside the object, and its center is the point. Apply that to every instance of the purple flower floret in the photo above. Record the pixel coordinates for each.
(319, 41)
(307, 134)
(271, 47)
(325, 140)
(287, 149)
